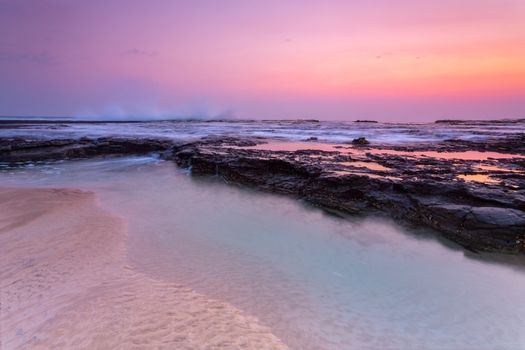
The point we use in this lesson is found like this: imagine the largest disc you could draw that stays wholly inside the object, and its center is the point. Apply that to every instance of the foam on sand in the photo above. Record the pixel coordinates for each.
(65, 283)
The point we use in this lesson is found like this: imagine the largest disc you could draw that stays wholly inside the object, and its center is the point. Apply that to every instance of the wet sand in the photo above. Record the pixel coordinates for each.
(66, 283)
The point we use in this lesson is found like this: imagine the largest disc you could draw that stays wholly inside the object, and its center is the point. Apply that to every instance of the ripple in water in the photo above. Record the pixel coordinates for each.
(318, 281)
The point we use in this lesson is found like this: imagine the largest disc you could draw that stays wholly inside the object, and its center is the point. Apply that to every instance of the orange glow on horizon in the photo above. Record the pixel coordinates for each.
(267, 59)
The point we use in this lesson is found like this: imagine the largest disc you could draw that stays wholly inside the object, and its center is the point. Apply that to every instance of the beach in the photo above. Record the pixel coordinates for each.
(66, 283)
(256, 175)
(156, 240)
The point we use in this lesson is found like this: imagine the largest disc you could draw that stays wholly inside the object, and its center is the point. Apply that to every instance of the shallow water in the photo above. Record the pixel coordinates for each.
(368, 165)
(359, 151)
(320, 282)
(478, 178)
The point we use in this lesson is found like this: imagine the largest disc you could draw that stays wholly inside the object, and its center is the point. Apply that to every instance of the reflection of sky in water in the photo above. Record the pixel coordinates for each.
(478, 178)
(334, 132)
(498, 168)
(359, 151)
(368, 165)
(318, 281)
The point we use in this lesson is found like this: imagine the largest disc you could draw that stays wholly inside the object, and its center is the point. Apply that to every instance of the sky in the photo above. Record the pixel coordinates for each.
(403, 60)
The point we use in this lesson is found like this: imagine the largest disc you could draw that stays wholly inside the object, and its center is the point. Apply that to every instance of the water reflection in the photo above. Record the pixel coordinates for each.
(368, 165)
(478, 178)
(318, 281)
(345, 148)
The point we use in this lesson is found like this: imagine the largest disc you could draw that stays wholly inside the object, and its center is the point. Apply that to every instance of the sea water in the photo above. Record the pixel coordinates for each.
(324, 131)
(318, 281)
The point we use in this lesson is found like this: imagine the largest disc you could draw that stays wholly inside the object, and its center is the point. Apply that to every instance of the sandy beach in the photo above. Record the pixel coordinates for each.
(66, 283)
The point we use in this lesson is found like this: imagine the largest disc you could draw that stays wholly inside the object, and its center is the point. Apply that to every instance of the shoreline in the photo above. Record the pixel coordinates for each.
(472, 193)
(67, 283)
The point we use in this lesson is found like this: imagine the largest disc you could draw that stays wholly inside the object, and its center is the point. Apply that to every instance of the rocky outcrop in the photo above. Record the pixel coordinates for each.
(513, 144)
(17, 150)
(360, 141)
(475, 215)
(420, 191)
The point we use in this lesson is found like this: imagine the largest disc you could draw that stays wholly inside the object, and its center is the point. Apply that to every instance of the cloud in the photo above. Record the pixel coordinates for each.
(138, 52)
(43, 58)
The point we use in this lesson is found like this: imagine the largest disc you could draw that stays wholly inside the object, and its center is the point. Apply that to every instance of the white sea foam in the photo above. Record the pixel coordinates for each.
(331, 132)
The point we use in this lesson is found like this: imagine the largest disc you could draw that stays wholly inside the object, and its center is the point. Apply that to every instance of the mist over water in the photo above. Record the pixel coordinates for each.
(320, 282)
(197, 110)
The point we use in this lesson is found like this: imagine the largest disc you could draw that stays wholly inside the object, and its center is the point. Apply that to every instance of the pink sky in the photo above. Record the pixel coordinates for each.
(403, 60)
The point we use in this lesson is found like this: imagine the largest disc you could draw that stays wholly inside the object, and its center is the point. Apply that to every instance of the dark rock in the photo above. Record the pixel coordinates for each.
(418, 191)
(477, 216)
(19, 150)
(360, 141)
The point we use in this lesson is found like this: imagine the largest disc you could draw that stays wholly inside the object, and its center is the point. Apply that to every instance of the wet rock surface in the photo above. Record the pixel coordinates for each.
(484, 212)
(18, 150)
(360, 141)
(472, 193)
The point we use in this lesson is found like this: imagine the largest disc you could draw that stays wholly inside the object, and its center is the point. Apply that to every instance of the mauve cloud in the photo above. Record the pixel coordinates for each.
(139, 52)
